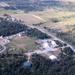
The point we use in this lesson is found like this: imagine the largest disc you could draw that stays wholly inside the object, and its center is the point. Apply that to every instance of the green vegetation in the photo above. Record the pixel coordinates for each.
(8, 28)
(14, 64)
(54, 20)
(58, 43)
(68, 51)
(24, 42)
(58, 15)
(42, 66)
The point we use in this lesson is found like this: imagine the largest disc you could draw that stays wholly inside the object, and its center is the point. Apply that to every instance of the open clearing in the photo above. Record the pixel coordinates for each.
(23, 42)
(28, 19)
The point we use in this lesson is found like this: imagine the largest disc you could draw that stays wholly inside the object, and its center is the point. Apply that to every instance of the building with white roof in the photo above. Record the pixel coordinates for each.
(45, 45)
(53, 57)
(53, 43)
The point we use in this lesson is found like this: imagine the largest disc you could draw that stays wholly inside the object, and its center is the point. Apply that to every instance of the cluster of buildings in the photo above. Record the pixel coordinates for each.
(48, 45)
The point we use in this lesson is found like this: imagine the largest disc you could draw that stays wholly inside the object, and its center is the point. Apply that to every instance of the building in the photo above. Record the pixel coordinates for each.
(21, 34)
(45, 45)
(53, 57)
(27, 64)
(53, 43)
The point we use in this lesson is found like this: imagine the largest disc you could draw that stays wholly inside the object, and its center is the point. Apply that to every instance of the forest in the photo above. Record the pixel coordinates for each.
(13, 64)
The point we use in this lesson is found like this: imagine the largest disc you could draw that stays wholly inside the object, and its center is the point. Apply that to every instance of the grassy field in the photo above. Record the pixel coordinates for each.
(23, 42)
(28, 19)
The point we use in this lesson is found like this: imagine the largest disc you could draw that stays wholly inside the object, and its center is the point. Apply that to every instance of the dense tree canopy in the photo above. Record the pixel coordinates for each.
(8, 28)
(12, 64)
(42, 66)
